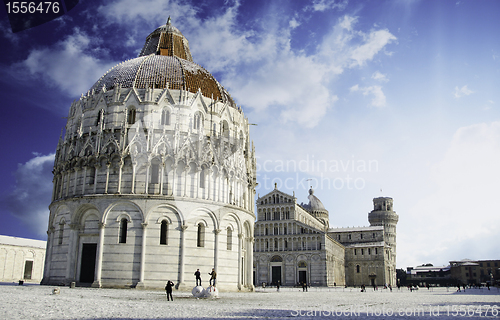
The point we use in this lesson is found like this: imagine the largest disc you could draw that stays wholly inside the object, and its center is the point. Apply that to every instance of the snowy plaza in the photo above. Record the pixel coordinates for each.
(39, 302)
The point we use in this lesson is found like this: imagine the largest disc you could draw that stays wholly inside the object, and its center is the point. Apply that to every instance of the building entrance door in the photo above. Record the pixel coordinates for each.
(87, 266)
(28, 269)
(276, 275)
(302, 276)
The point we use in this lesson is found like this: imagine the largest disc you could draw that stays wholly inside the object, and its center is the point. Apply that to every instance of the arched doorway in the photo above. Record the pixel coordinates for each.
(276, 263)
(302, 269)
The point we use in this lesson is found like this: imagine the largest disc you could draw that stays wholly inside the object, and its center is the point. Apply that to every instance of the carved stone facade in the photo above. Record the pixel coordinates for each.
(154, 178)
(294, 244)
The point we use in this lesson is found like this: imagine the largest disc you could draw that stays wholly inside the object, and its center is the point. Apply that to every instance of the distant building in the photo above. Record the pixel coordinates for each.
(21, 259)
(475, 271)
(429, 275)
(294, 244)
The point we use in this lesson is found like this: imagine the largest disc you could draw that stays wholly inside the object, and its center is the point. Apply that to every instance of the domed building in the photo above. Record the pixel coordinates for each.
(154, 178)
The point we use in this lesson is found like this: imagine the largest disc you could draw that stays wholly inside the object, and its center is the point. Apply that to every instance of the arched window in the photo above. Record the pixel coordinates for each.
(123, 230)
(201, 236)
(225, 128)
(131, 116)
(155, 172)
(61, 232)
(99, 117)
(165, 117)
(229, 239)
(164, 232)
(197, 121)
(357, 268)
(276, 259)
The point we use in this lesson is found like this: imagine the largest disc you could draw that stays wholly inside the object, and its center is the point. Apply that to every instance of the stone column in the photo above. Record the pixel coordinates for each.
(197, 180)
(216, 249)
(162, 175)
(210, 181)
(69, 181)
(84, 180)
(181, 258)
(100, 247)
(60, 191)
(97, 167)
(108, 165)
(174, 173)
(76, 179)
(140, 284)
(240, 245)
(148, 165)
(72, 250)
(186, 175)
(48, 256)
(120, 170)
(134, 166)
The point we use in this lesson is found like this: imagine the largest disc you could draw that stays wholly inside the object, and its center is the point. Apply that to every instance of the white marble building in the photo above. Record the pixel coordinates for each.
(154, 177)
(21, 259)
(294, 244)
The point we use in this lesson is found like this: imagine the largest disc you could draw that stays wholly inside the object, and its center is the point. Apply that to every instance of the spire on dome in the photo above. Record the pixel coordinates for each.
(167, 40)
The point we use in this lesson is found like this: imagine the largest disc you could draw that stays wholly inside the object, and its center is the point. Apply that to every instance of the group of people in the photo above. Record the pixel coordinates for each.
(213, 276)
(197, 274)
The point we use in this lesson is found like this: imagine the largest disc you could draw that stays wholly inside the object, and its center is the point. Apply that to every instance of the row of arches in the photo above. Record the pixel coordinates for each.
(271, 229)
(275, 198)
(121, 176)
(279, 213)
(295, 243)
(164, 238)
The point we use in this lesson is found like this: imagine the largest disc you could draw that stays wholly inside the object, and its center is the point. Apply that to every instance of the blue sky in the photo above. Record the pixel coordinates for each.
(365, 98)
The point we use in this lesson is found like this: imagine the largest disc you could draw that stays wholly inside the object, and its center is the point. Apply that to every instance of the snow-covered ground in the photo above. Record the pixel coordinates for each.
(38, 302)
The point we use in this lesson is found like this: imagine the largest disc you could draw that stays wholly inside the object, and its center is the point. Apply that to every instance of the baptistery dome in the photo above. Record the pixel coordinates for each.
(164, 62)
(154, 177)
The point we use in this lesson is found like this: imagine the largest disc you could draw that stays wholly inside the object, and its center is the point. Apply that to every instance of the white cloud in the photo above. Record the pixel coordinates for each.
(259, 68)
(379, 77)
(463, 211)
(464, 91)
(323, 5)
(151, 12)
(378, 99)
(31, 196)
(374, 42)
(69, 64)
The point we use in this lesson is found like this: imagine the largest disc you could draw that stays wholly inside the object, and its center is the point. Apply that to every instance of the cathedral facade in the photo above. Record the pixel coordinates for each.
(154, 177)
(294, 244)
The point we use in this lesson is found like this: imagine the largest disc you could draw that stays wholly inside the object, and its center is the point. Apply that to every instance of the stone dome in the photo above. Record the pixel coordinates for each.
(314, 203)
(164, 62)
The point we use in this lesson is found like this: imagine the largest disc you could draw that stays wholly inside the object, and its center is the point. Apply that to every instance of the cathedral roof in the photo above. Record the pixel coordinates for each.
(314, 203)
(164, 62)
